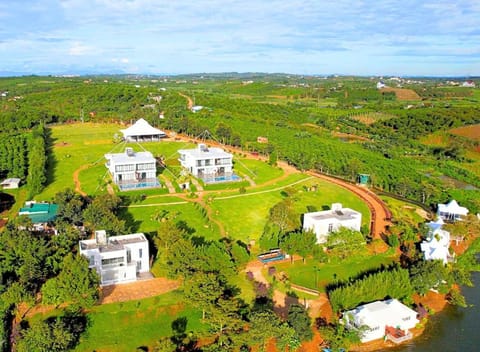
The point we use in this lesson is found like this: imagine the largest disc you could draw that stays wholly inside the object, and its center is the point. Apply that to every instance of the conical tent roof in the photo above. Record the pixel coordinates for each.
(141, 128)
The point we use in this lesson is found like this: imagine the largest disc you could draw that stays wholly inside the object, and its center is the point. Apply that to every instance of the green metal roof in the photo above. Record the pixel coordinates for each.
(40, 212)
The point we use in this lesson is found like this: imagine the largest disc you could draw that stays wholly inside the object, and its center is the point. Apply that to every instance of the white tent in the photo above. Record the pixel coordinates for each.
(142, 131)
(451, 211)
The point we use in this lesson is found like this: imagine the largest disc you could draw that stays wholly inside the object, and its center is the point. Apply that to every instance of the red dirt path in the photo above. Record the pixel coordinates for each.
(380, 214)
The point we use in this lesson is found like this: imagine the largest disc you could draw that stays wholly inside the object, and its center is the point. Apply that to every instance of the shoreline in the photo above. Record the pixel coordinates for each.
(434, 302)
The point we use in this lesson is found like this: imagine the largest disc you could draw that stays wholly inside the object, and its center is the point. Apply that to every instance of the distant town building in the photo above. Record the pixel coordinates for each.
(380, 85)
(142, 131)
(322, 223)
(117, 259)
(132, 170)
(469, 84)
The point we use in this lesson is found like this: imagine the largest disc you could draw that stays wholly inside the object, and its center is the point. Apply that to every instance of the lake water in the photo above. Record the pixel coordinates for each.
(454, 329)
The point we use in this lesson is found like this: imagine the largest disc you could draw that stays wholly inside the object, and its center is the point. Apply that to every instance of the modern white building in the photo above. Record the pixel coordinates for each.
(132, 170)
(381, 319)
(142, 131)
(208, 163)
(451, 211)
(322, 223)
(435, 246)
(117, 259)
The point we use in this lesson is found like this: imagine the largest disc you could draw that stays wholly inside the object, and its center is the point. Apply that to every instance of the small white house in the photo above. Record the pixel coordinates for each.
(322, 223)
(10, 183)
(208, 163)
(380, 319)
(117, 259)
(451, 211)
(142, 131)
(435, 247)
(196, 108)
(132, 170)
(380, 85)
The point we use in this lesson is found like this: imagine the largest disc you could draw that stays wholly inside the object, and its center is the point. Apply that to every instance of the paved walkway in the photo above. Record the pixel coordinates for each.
(168, 184)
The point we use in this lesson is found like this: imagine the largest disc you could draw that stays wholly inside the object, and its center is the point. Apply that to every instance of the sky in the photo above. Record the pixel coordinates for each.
(375, 37)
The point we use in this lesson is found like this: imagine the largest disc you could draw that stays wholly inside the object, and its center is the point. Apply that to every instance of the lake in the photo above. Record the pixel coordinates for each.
(454, 329)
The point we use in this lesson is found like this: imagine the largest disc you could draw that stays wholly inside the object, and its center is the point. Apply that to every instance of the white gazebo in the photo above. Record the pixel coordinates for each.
(451, 211)
(142, 131)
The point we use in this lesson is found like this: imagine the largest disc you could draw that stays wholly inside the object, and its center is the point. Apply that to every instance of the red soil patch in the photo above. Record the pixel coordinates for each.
(137, 290)
(471, 132)
(402, 93)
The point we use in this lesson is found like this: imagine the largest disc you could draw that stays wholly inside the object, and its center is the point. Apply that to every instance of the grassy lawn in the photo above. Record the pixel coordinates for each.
(76, 145)
(244, 216)
(403, 211)
(129, 325)
(304, 274)
(142, 218)
(259, 171)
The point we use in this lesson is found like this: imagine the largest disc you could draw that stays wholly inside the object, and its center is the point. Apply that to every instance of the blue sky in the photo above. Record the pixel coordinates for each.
(375, 37)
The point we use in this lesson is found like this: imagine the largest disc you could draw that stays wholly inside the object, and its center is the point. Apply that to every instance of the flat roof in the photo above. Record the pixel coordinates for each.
(114, 243)
(10, 180)
(124, 158)
(343, 214)
(209, 152)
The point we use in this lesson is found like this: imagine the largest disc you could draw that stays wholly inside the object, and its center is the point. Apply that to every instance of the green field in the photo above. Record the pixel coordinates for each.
(127, 326)
(244, 216)
(318, 276)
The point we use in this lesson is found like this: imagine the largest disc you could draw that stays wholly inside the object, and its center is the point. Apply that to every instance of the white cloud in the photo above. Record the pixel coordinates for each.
(79, 49)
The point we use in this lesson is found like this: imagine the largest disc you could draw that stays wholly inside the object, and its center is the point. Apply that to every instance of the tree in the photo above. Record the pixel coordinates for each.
(101, 214)
(70, 207)
(345, 242)
(203, 289)
(427, 274)
(299, 320)
(45, 336)
(283, 216)
(302, 243)
(76, 284)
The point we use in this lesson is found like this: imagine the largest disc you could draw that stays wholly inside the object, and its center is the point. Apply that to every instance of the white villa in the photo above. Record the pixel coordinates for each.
(381, 319)
(451, 211)
(324, 222)
(142, 131)
(131, 169)
(117, 259)
(208, 163)
(435, 247)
